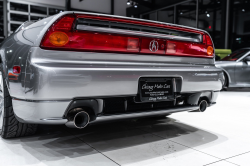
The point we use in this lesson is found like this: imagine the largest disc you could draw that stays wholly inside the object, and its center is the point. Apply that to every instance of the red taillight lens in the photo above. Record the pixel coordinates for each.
(209, 45)
(171, 48)
(133, 44)
(180, 48)
(91, 41)
(65, 23)
(16, 69)
(62, 35)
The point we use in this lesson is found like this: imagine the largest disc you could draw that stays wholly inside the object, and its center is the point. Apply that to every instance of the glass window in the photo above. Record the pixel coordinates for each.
(18, 17)
(36, 18)
(166, 15)
(38, 10)
(13, 27)
(151, 16)
(1, 30)
(53, 11)
(240, 37)
(1, 18)
(1, 40)
(146, 17)
(235, 55)
(210, 20)
(186, 14)
(18, 7)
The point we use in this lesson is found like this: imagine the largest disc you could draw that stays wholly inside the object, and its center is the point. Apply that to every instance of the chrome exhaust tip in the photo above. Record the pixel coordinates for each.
(80, 120)
(202, 106)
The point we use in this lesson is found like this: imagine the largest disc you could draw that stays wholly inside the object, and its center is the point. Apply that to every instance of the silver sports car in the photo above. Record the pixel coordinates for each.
(78, 68)
(236, 68)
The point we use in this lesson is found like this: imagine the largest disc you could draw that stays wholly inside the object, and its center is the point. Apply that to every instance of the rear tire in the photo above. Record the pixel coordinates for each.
(225, 85)
(10, 127)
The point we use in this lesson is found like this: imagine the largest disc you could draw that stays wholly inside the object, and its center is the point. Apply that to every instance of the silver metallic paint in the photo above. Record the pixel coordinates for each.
(237, 72)
(57, 77)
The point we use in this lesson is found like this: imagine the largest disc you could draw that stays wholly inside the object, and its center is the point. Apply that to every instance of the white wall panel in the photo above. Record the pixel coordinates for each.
(60, 3)
(120, 7)
(101, 6)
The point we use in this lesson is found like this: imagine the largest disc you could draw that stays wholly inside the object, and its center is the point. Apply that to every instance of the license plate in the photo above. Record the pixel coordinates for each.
(156, 89)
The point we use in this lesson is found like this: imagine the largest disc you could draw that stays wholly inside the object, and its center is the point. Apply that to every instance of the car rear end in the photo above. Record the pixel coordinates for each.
(90, 67)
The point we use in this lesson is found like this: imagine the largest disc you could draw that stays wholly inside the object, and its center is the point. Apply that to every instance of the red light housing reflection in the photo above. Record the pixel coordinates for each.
(17, 69)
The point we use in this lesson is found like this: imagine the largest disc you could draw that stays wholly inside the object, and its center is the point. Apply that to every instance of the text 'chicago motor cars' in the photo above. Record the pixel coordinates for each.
(78, 68)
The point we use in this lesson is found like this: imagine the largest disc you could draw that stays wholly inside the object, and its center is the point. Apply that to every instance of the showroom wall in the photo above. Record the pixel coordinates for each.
(20, 11)
(100, 6)
(104, 6)
(60, 3)
(120, 7)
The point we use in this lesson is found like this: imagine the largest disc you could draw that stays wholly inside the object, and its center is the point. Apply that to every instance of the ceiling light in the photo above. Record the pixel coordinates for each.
(243, 10)
(128, 2)
(208, 15)
(135, 5)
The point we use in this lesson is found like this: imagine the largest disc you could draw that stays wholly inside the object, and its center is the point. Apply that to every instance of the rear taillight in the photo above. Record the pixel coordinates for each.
(62, 35)
(82, 40)
(209, 44)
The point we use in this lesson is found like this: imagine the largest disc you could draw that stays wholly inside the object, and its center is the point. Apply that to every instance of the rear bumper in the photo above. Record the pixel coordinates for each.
(62, 75)
(55, 112)
(54, 79)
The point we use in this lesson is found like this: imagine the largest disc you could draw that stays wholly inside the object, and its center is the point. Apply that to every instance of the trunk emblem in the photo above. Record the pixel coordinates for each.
(153, 46)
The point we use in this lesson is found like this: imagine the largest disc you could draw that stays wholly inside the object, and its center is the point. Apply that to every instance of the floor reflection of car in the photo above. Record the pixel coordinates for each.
(236, 67)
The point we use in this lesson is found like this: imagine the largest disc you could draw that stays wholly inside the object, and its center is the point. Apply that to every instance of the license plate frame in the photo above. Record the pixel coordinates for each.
(156, 89)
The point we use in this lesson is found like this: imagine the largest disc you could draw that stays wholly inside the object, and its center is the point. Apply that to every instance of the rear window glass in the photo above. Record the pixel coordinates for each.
(235, 55)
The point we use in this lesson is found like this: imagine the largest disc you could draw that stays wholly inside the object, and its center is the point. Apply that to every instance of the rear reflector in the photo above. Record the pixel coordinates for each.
(63, 36)
(210, 50)
(58, 38)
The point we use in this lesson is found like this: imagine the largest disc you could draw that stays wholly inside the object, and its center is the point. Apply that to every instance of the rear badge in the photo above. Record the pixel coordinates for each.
(153, 46)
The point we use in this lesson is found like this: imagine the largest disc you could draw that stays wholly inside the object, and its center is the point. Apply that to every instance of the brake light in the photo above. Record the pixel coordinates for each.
(62, 35)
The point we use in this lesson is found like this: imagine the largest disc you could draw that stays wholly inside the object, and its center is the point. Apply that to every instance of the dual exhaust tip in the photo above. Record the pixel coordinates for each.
(78, 120)
(202, 106)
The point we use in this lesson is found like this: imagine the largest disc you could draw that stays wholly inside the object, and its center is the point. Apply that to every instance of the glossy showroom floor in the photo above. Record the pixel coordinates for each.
(218, 137)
